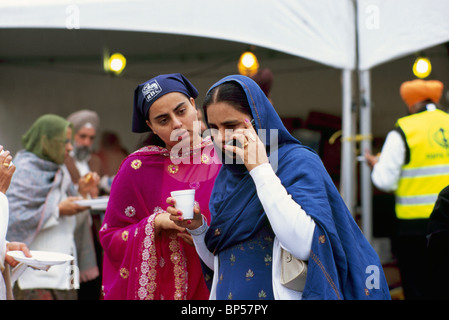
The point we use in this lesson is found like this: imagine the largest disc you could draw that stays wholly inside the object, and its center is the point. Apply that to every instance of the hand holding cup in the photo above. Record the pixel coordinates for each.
(179, 217)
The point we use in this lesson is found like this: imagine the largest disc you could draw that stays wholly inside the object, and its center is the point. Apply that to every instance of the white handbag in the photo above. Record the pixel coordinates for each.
(293, 271)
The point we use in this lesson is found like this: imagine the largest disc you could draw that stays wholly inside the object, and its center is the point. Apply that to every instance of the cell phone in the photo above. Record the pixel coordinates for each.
(236, 143)
(253, 123)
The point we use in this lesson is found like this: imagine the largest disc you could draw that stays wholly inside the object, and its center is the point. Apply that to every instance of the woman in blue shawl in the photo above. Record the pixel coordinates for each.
(44, 214)
(283, 198)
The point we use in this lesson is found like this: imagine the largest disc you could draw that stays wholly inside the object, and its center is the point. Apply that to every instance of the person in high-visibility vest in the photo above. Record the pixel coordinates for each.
(414, 164)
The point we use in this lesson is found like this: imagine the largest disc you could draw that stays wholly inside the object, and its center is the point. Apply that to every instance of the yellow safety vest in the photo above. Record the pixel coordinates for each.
(427, 172)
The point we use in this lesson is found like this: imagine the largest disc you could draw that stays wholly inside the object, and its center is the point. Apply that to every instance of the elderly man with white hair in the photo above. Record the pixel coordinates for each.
(83, 163)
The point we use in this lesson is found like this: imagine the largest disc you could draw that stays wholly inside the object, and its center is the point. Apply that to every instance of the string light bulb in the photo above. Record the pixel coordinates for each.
(116, 63)
(248, 64)
(422, 67)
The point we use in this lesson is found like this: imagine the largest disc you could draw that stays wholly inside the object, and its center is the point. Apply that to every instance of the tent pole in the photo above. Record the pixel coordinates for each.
(366, 145)
(347, 153)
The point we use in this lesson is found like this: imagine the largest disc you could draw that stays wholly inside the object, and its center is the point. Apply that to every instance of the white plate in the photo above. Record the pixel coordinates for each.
(41, 258)
(98, 203)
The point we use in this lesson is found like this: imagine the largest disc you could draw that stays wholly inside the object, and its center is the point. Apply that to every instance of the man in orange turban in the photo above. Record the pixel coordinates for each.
(414, 165)
(416, 92)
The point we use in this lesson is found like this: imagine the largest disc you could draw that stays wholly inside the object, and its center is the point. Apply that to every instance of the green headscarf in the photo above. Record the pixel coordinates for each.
(47, 138)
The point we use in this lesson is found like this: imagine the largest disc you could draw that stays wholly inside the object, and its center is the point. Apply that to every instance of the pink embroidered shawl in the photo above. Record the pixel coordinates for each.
(137, 264)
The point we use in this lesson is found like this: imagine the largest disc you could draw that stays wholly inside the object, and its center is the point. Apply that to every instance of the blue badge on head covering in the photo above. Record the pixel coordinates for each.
(148, 92)
(151, 90)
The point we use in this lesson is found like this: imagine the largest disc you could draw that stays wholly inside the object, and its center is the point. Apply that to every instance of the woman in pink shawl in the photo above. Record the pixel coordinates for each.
(147, 256)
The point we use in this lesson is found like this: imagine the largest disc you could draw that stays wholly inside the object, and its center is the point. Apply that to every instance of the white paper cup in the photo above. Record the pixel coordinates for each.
(185, 200)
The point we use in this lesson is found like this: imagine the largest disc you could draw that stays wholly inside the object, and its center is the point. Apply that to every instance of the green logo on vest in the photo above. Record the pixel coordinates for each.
(441, 137)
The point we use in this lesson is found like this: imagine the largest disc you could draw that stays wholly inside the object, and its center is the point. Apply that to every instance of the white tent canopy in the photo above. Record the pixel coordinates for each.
(389, 29)
(352, 35)
(321, 30)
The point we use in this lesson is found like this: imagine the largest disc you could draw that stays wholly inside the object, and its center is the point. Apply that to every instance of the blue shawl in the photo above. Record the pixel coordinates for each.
(342, 263)
(36, 190)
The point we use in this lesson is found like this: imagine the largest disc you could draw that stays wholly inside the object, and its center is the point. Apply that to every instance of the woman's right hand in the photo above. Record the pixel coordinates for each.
(6, 170)
(68, 206)
(164, 222)
(176, 216)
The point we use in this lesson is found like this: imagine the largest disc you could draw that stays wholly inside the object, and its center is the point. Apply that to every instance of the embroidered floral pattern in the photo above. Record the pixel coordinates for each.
(267, 259)
(246, 269)
(177, 258)
(322, 239)
(136, 164)
(173, 168)
(158, 210)
(130, 211)
(164, 152)
(149, 261)
(204, 158)
(124, 273)
(125, 235)
(194, 185)
(148, 272)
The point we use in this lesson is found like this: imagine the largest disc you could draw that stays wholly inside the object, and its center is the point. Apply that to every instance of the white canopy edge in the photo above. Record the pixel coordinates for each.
(390, 29)
(319, 30)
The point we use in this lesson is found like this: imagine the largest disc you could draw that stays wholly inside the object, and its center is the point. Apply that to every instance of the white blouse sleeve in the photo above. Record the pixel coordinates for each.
(387, 171)
(291, 224)
(200, 245)
(4, 217)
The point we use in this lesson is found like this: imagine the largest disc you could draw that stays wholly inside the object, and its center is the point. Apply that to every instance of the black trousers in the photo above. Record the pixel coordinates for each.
(411, 251)
(438, 266)
(410, 246)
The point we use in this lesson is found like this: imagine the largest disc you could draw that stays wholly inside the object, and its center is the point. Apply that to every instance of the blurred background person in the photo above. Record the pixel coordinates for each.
(111, 154)
(44, 214)
(414, 164)
(82, 162)
(264, 78)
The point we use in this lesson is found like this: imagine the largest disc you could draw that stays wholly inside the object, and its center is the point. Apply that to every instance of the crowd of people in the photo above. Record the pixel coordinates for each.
(268, 221)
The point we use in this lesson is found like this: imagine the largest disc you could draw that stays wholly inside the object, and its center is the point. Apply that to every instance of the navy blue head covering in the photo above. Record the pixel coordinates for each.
(234, 188)
(265, 117)
(148, 92)
(341, 260)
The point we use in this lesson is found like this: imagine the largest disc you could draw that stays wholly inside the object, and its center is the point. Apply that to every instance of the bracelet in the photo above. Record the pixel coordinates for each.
(200, 230)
